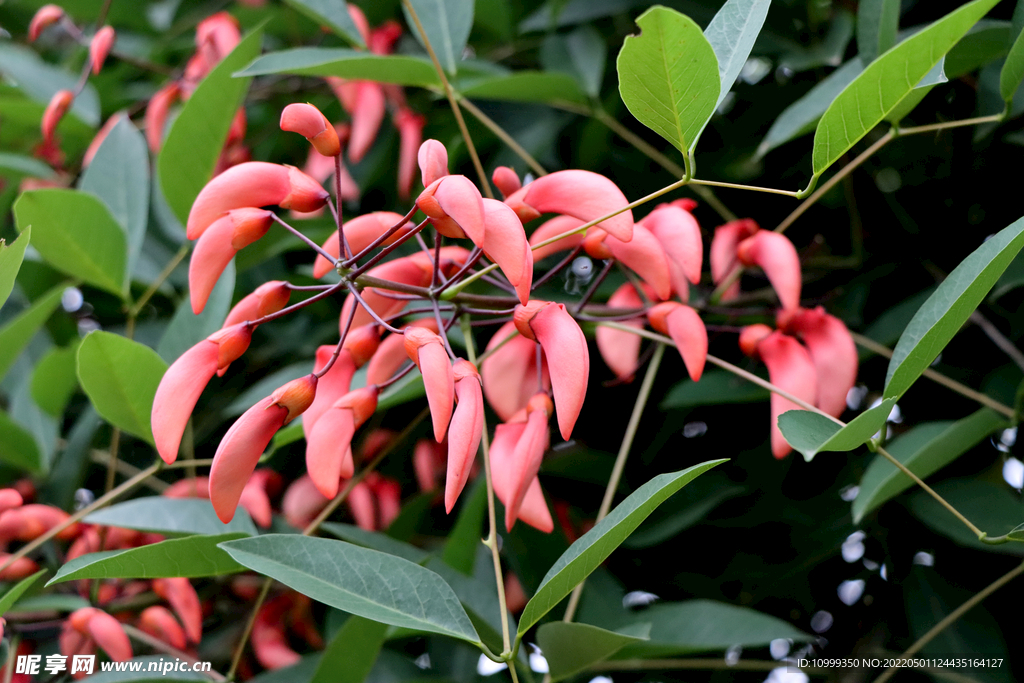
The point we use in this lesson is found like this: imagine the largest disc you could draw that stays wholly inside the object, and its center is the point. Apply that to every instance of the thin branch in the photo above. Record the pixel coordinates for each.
(503, 135)
(310, 243)
(998, 338)
(136, 308)
(752, 188)
(992, 118)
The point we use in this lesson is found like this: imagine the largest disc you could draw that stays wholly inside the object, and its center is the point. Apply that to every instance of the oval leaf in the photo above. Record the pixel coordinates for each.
(587, 553)
(811, 433)
(194, 142)
(11, 596)
(886, 81)
(331, 14)
(570, 648)
(945, 311)
(54, 379)
(313, 61)
(731, 35)
(172, 517)
(16, 334)
(668, 76)
(76, 234)
(446, 24)
(364, 582)
(120, 377)
(925, 449)
(11, 256)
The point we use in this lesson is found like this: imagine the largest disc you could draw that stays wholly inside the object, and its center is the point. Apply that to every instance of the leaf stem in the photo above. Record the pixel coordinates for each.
(236, 658)
(752, 188)
(503, 135)
(992, 118)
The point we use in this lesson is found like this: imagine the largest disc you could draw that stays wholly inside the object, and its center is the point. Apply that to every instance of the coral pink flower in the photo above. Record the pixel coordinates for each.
(307, 121)
(510, 373)
(391, 355)
(432, 159)
(687, 330)
(455, 207)
(465, 432)
(54, 112)
(329, 449)
(10, 499)
(777, 257)
(100, 46)
(87, 627)
(215, 248)
(643, 254)
(216, 37)
(302, 502)
(360, 232)
(375, 502)
(45, 16)
(562, 340)
(505, 243)
(19, 569)
(552, 228)
(269, 643)
(158, 622)
(621, 350)
(360, 345)
(270, 297)
(156, 114)
(529, 450)
(506, 180)
(410, 132)
(367, 115)
(723, 251)
(679, 235)
(245, 441)
(426, 350)
(254, 183)
(581, 194)
(833, 351)
(185, 380)
(789, 367)
(428, 460)
(256, 495)
(29, 522)
(533, 509)
(182, 597)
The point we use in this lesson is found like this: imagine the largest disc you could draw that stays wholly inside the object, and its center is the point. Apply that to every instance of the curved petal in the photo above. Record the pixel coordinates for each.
(178, 393)
(506, 180)
(556, 226)
(432, 158)
(679, 234)
(723, 251)
(270, 297)
(212, 253)
(427, 350)
(834, 354)
(526, 458)
(645, 256)
(158, 622)
(505, 244)
(410, 132)
(621, 350)
(326, 465)
(509, 374)
(361, 505)
(99, 48)
(460, 201)
(687, 330)
(465, 432)
(109, 635)
(302, 502)
(367, 115)
(789, 367)
(334, 384)
(391, 355)
(777, 257)
(183, 599)
(582, 194)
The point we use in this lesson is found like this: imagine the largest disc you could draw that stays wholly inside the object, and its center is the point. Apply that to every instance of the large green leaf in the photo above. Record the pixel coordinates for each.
(447, 24)
(119, 176)
(120, 377)
(877, 24)
(194, 142)
(191, 557)
(41, 80)
(587, 553)
(668, 76)
(886, 81)
(994, 508)
(811, 433)
(16, 334)
(186, 329)
(18, 447)
(1013, 70)
(76, 234)
(332, 14)
(11, 256)
(11, 596)
(925, 449)
(987, 41)
(945, 311)
(54, 379)
(715, 387)
(350, 655)
(731, 35)
(528, 86)
(364, 582)
(570, 648)
(172, 517)
(315, 61)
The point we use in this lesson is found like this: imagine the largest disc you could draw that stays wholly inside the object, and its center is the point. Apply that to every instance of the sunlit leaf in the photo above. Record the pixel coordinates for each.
(731, 35)
(1013, 69)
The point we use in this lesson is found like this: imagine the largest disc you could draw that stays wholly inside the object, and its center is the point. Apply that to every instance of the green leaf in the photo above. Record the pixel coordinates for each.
(314, 61)
(54, 379)
(350, 655)
(731, 35)
(382, 543)
(681, 628)
(587, 553)
(41, 81)
(196, 138)
(811, 433)
(994, 508)
(528, 86)
(1013, 70)
(16, 334)
(333, 15)
(799, 118)
(884, 82)
(51, 602)
(582, 54)
(987, 41)
(186, 329)
(877, 24)
(145, 674)
(945, 311)
(1017, 534)
(687, 508)
(11, 596)
(828, 51)
(570, 648)
(460, 549)
(120, 377)
(11, 256)
(119, 177)
(76, 234)
(191, 557)
(715, 387)
(364, 582)
(668, 76)
(925, 449)
(172, 517)
(446, 23)
(18, 164)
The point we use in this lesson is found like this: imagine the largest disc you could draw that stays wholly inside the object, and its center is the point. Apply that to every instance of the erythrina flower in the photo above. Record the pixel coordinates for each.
(329, 451)
(367, 115)
(509, 372)
(29, 522)
(505, 243)
(582, 194)
(432, 159)
(270, 297)
(466, 430)
(455, 207)
(410, 133)
(45, 16)
(87, 627)
(184, 381)
(375, 502)
(158, 622)
(552, 228)
(833, 351)
(506, 180)
(562, 340)
(156, 114)
(54, 112)
(427, 351)
(307, 121)
(247, 438)
(254, 183)
(216, 37)
(529, 450)
(621, 350)
(100, 46)
(182, 597)
(533, 509)
(687, 330)
(360, 345)
(643, 254)
(723, 251)
(360, 233)
(678, 232)
(777, 257)
(215, 248)
(391, 355)
(10, 499)
(19, 569)
(428, 461)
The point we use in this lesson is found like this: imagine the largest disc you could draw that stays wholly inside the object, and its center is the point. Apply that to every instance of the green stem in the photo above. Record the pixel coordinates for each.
(236, 659)
(164, 274)
(752, 188)
(503, 135)
(992, 118)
